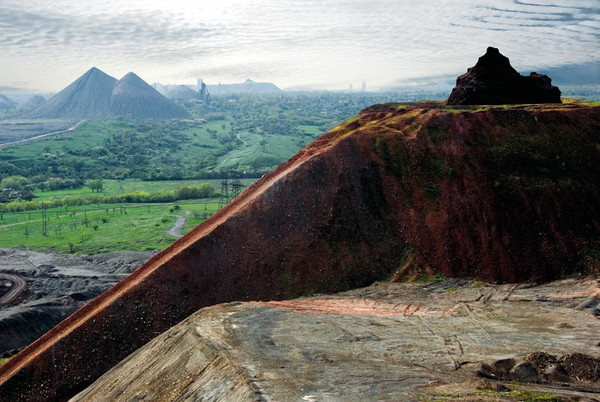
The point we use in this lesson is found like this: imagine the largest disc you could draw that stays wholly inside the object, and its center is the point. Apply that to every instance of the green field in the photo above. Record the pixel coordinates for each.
(94, 229)
(162, 150)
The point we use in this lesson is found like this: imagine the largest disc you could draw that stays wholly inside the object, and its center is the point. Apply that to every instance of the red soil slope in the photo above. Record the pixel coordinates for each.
(499, 194)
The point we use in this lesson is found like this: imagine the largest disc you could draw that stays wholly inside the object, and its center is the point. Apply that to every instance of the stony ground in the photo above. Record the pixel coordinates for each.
(389, 341)
(55, 286)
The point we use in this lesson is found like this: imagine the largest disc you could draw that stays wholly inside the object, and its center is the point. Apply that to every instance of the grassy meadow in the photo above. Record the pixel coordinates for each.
(92, 229)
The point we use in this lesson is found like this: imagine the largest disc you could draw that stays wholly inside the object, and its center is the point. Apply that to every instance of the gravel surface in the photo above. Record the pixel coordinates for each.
(55, 286)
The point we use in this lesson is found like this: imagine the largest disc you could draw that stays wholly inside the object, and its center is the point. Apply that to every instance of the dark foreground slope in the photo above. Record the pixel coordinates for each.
(505, 194)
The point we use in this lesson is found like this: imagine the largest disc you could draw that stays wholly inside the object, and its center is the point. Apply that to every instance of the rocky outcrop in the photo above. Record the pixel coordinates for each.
(543, 367)
(493, 81)
(389, 342)
(499, 194)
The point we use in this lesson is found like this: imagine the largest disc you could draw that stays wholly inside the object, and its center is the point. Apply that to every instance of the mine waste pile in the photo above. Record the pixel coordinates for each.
(98, 95)
(499, 194)
(506, 194)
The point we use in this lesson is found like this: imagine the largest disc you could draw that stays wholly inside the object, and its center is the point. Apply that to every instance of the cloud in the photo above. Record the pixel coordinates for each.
(330, 42)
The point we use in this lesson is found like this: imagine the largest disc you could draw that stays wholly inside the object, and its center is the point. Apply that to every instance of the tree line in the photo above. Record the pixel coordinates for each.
(181, 193)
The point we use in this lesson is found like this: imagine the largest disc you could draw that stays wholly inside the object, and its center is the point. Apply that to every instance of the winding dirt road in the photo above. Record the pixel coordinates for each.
(15, 286)
(177, 226)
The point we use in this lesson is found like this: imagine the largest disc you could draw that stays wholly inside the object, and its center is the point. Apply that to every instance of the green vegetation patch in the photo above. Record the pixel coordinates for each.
(101, 228)
(491, 394)
(171, 195)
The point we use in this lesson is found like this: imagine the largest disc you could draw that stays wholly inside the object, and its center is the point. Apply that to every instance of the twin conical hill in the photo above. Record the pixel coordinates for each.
(98, 95)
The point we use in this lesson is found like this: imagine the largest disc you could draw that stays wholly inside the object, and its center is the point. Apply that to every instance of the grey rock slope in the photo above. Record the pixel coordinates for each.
(87, 97)
(134, 98)
(391, 342)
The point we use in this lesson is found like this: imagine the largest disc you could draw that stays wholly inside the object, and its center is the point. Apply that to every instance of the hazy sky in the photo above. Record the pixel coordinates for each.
(45, 45)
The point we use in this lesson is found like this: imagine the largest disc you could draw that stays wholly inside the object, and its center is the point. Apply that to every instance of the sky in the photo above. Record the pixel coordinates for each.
(318, 44)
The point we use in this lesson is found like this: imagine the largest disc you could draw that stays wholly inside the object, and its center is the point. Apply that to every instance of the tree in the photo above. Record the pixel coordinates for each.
(96, 185)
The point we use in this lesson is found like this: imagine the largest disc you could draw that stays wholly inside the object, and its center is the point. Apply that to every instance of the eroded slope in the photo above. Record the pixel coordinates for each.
(504, 194)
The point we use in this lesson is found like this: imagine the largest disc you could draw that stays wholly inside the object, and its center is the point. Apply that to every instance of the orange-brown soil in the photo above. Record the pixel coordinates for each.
(498, 194)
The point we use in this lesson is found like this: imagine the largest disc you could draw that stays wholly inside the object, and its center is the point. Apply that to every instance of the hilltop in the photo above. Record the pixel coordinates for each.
(135, 99)
(500, 194)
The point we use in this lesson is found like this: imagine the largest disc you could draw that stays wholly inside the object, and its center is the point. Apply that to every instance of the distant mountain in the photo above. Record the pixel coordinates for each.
(87, 97)
(98, 95)
(247, 86)
(6, 103)
(34, 102)
(133, 98)
(182, 92)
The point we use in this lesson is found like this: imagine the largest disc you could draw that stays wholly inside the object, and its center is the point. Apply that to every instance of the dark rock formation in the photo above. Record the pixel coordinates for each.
(493, 81)
(543, 367)
(133, 98)
(461, 192)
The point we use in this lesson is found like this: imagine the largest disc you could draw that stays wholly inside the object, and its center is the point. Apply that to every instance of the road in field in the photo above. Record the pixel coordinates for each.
(17, 285)
(177, 226)
(37, 137)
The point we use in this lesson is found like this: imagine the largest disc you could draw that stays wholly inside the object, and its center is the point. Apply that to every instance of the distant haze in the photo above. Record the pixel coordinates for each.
(320, 44)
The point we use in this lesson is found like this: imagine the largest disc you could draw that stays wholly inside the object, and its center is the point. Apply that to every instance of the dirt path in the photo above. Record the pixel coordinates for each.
(177, 226)
(87, 313)
(16, 287)
(37, 137)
